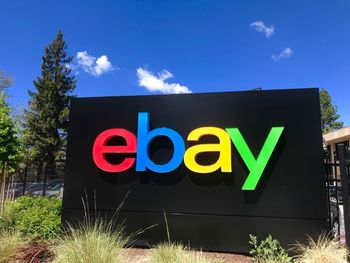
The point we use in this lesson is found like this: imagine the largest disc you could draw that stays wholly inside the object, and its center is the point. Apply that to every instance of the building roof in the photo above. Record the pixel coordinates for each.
(338, 135)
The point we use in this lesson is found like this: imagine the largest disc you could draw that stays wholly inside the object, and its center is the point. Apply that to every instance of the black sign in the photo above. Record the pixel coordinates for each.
(221, 166)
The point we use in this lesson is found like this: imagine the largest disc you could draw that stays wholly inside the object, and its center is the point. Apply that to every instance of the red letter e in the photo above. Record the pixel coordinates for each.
(100, 149)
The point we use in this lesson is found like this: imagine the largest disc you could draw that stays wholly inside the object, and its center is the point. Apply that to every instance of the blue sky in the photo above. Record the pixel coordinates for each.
(153, 47)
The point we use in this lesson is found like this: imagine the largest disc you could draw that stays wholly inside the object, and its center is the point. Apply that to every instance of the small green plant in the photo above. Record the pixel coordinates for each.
(91, 242)
(36, 217)
(10, 242)
(323, 250)
(268, 251)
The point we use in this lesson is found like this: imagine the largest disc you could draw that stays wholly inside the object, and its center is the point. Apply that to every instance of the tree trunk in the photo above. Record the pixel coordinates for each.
(39, 171)
(25, 180)
(3, 187)
(44, 178)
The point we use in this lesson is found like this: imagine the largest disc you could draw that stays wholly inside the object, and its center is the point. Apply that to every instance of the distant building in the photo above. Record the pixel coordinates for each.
(336, 137)
(333, 139)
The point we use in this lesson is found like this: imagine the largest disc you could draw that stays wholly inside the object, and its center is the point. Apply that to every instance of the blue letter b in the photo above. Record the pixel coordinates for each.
(145, 137)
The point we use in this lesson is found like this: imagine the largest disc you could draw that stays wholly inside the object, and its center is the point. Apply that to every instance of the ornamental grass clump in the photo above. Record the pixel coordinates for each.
(170, 252)
(10, 242)
(91, 242)
(323, 250)
(176, 253)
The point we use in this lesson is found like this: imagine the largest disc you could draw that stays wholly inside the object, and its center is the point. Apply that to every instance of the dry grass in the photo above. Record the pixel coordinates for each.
(323, 250)
(10, 242)
(177, 253)
(97, 242)
(170, 252)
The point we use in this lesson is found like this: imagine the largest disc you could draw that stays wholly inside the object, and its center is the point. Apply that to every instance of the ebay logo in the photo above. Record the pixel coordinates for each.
(140, 145)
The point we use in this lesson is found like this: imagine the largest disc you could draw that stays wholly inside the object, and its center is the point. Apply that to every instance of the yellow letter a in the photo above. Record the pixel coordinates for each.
(224, 147)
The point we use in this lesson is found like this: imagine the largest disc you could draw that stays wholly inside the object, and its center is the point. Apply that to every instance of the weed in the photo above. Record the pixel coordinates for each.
(268, 251)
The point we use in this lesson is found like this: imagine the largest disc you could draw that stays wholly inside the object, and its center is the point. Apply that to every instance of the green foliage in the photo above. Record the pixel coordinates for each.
(6, 217)
(47, 116)
(36, 217)
(329, 114)
(10, 146)
(268, 251)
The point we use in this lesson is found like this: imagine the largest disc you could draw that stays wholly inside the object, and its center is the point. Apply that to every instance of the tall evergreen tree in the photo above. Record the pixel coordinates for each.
(329, 115)
(47, 115)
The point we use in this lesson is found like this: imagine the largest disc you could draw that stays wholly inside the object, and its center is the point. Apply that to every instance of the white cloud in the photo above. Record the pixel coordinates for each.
(157, 83)
(92, 65)
(285, 53)
(259, 26)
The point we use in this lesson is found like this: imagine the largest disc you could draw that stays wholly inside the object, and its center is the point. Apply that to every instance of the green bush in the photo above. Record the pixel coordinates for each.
(6, 218)
(35, 217)
(268, 251)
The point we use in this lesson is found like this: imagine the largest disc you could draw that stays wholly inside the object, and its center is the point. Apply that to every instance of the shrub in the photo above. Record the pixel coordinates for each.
(323, 250)
(6, 217)
(36, 217)
(176, 253)
(91, 242)
(10, 242)
(268, 251)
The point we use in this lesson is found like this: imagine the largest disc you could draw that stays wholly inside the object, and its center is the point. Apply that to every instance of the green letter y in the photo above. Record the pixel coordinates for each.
(256, 167)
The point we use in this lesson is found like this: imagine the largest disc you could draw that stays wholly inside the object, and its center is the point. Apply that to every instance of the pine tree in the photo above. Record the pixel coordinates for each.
(329, 115)
(47, 116)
